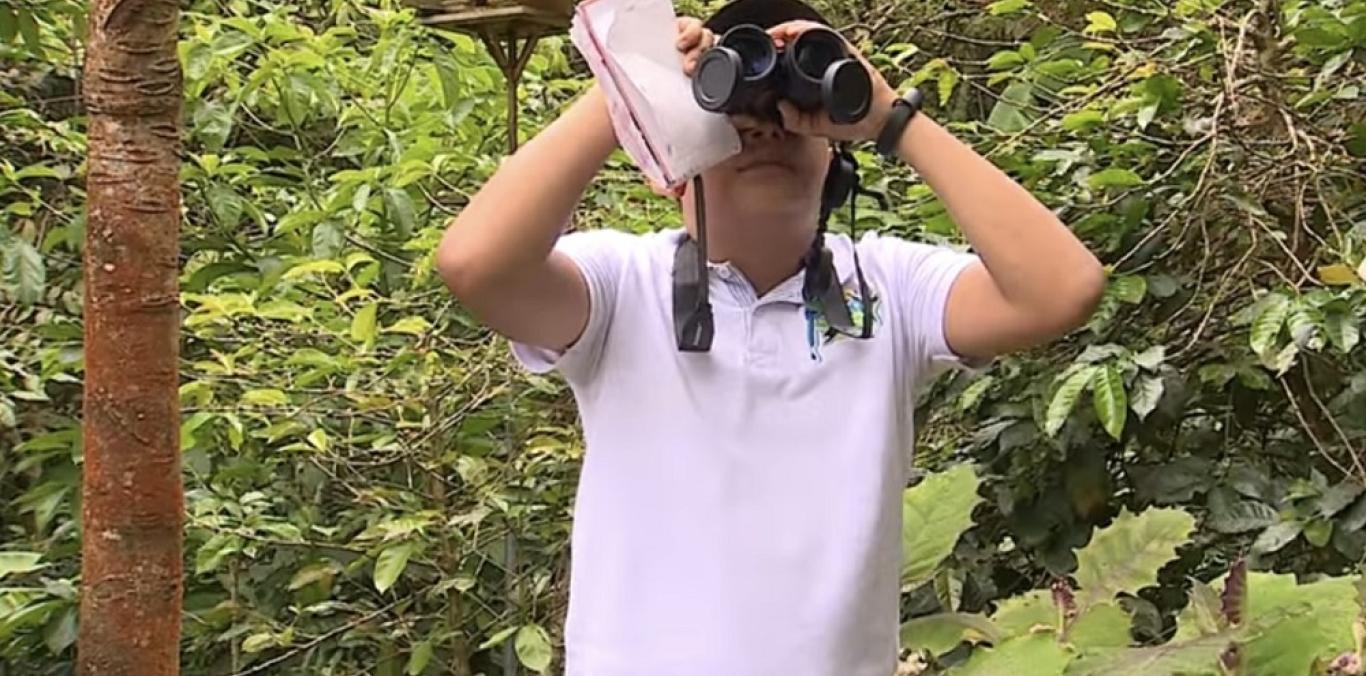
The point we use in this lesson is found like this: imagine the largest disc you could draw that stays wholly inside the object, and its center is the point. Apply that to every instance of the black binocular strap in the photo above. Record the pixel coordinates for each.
(693, 323)
(694, 326)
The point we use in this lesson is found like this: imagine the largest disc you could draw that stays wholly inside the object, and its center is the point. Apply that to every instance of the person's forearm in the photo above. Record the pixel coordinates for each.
(1033, 258)
(515, 218)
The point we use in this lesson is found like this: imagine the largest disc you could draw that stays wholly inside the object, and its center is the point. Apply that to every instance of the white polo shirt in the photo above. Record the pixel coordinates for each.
(739, 510)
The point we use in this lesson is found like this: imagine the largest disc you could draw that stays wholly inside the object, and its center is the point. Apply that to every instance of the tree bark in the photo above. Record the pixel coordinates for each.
(133, 497)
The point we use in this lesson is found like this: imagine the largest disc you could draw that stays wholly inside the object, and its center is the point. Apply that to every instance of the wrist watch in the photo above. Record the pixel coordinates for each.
(903, 109)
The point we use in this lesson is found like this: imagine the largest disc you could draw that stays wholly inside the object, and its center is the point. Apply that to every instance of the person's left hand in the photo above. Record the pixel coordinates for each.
(817, 123)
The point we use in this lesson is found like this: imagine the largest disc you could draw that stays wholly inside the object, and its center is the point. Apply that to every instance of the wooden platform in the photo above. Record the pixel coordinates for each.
(501, 18)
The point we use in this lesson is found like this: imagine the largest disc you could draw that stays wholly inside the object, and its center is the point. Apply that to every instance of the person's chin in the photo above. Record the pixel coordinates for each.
(770, 179)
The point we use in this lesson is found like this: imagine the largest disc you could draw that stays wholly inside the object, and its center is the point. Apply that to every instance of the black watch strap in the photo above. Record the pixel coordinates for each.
(903, 109)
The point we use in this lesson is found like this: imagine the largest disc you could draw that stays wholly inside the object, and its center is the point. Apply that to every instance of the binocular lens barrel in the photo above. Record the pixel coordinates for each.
(757, 54)
(746, 73)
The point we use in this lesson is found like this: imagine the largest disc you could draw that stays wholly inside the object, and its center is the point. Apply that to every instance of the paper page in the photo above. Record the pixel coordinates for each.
(589, 18)
(639, 37)
(628, 132)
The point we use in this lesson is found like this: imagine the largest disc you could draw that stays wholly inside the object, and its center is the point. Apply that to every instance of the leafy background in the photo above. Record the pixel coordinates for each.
(373, 487)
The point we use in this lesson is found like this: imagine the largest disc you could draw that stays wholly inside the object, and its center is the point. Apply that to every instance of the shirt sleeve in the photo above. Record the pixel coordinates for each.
(601, 257)
(919, 277)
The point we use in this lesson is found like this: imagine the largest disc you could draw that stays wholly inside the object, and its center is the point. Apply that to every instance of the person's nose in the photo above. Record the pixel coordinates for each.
(753, 129)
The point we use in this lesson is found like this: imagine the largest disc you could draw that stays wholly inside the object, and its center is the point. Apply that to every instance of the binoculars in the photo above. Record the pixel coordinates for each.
(746, 73)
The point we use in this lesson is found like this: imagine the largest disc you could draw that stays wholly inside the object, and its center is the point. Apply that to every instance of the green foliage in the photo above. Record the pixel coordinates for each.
(1266, 624)
(372, 487)
(1125, 557)
(935, 513)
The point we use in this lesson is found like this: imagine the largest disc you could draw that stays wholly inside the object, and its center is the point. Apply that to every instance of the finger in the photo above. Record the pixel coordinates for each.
(790, 30)
(689, 35)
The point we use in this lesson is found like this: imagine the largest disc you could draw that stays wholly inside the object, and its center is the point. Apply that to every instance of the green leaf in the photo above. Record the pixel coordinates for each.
(60, 632)
(9, 24)
(258, 642)
(1197, 656)
(401, 210)
(1338, 275)
(265, 397)
(226, 205)
(328, 240)
(498, 638)
(361, 198)
(1318, 531)
(1028, 655)
(1338, 497)
(948, 79)
(211, 554)
(322, 572)
(1342, 331)
(1065, 399)
(1174, 481)
(416, 326)
(1104, 625)
(1125, 556)
(1001, 7)
(25, 269)
(972, 394)
(1005, 60)
(1110, 400)
(935, 513)
(1228, 514)
(191, 425)
(19, 562)
(1114, 177)
(1083, 120)
(390, 565)
(1268, 323)
(1008, 115)
(364, 323)
(28, 28)
(1100, 22)
(1146, 114)
(533, 647)
(1297, 622)
(1277, 536)
(448, 72)
(313, 267)
(1020, 614)
(1204, 611)
(1147, 393)
(421, 657)
(1356, 146)
(1129, 288)
(942, 632)
(283, 309)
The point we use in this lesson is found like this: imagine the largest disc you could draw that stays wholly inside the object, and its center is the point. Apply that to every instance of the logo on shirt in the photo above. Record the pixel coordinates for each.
(819, 332)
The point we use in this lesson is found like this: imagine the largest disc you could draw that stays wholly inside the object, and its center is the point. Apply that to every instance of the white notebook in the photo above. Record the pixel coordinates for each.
(630, 47)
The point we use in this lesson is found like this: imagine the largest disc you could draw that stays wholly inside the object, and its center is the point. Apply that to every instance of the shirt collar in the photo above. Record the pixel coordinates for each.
(790, 289)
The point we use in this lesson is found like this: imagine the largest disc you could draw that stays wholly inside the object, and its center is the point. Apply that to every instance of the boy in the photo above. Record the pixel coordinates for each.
(739, 508)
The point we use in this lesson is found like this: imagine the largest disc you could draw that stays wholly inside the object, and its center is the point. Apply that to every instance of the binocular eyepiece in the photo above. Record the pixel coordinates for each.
(746, 73)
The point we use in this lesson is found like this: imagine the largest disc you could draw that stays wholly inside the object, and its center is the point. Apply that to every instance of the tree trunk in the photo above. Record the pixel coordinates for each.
(132, 493)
